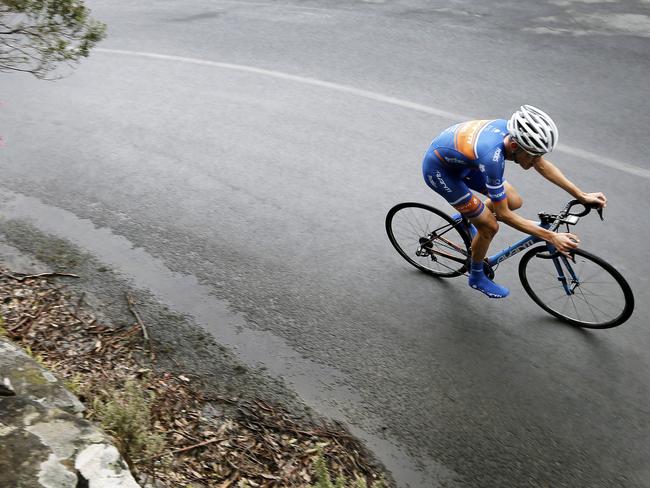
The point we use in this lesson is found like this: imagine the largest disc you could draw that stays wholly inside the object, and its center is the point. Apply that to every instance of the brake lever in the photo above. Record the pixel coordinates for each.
(600, 213)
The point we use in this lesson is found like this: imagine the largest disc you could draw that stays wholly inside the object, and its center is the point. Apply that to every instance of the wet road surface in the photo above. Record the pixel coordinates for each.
(237, 159)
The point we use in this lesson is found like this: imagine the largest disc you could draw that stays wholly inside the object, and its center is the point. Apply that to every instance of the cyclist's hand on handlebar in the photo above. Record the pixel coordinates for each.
(598, 199)
(564, 242)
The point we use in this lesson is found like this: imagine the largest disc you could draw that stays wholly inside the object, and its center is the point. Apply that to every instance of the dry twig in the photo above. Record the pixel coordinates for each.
(24, 277)
(131, 303)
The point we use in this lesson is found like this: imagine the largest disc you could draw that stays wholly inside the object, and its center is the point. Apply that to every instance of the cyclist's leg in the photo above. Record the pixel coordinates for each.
(448, 183)
(444, 181)
(514, 198)
(477, 182)
(487, 227)
(451, 186)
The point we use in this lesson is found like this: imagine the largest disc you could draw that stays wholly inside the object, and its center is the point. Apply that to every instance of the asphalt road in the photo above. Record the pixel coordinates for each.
(237, 159)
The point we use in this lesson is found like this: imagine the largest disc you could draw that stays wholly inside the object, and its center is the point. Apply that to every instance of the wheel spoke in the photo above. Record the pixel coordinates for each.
(590, 305)
(411, 227)
(598, 297)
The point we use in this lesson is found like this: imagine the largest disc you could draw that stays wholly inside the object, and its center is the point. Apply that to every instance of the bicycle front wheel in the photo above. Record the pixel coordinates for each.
(583, 290)
(428, 239)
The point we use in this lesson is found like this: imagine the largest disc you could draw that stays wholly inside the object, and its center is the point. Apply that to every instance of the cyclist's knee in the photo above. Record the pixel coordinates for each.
(514, 199)
(490, 230)
(487, 227)
(515, 202)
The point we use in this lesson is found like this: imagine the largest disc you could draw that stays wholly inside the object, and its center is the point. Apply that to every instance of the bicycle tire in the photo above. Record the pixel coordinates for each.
(453, 239)
(569, 312)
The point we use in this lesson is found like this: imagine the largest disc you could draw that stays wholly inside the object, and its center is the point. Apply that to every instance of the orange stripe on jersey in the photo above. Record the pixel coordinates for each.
(466, 137)
(472, 208)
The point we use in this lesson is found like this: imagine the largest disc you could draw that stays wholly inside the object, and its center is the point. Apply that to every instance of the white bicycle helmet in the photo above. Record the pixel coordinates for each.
(533, 130)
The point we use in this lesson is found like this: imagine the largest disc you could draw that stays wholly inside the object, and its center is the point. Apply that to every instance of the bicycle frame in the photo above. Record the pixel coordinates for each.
(516, 248)
(502, 255)
(547, 221)
(527, 242)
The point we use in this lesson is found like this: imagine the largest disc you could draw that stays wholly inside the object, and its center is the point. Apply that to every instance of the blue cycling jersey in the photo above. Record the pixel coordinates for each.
(464, 157)
(461, 150)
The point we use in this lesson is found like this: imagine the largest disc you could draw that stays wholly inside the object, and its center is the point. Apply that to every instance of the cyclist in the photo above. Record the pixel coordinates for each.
(472, 155)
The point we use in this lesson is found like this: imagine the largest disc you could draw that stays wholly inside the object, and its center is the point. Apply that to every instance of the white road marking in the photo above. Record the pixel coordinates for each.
(571, 151)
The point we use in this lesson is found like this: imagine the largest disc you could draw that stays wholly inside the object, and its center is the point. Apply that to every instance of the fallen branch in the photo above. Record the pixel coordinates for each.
(135, 313)
(40, 275)
(145, 332)
(194, 446)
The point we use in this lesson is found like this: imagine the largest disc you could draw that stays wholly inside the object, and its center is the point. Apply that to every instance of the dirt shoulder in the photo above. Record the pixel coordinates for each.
(183, 409)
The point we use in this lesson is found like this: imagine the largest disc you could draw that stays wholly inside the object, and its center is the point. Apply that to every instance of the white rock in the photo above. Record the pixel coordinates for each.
(58, 435)
(102, 466)
(54, 475)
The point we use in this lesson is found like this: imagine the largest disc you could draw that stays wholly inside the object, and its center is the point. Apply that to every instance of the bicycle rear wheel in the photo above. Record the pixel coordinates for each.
(428, 239)
(584, 291)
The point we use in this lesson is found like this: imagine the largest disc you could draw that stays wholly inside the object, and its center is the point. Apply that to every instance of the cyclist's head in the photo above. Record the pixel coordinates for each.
(533, 130)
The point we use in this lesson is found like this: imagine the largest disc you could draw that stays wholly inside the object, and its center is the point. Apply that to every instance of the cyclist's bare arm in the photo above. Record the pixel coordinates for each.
(553, 174)
(562, 241)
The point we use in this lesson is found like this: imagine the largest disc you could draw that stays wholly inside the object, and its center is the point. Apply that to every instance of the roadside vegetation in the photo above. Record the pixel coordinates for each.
(165, 427)
(37, 36)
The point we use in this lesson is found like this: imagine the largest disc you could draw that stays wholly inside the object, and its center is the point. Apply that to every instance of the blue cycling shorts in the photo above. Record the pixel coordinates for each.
(455, 185)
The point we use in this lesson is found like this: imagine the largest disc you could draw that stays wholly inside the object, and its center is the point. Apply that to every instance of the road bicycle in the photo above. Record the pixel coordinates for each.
(580, 289)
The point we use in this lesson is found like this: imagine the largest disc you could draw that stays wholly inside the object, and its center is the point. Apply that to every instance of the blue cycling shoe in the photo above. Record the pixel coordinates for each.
(469, 227)
(482, 283)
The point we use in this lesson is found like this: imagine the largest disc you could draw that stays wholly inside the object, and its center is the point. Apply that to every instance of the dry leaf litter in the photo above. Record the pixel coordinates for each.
(260, 445)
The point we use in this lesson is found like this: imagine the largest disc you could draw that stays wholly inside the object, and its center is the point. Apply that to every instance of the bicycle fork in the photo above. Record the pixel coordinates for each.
(573, 282)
